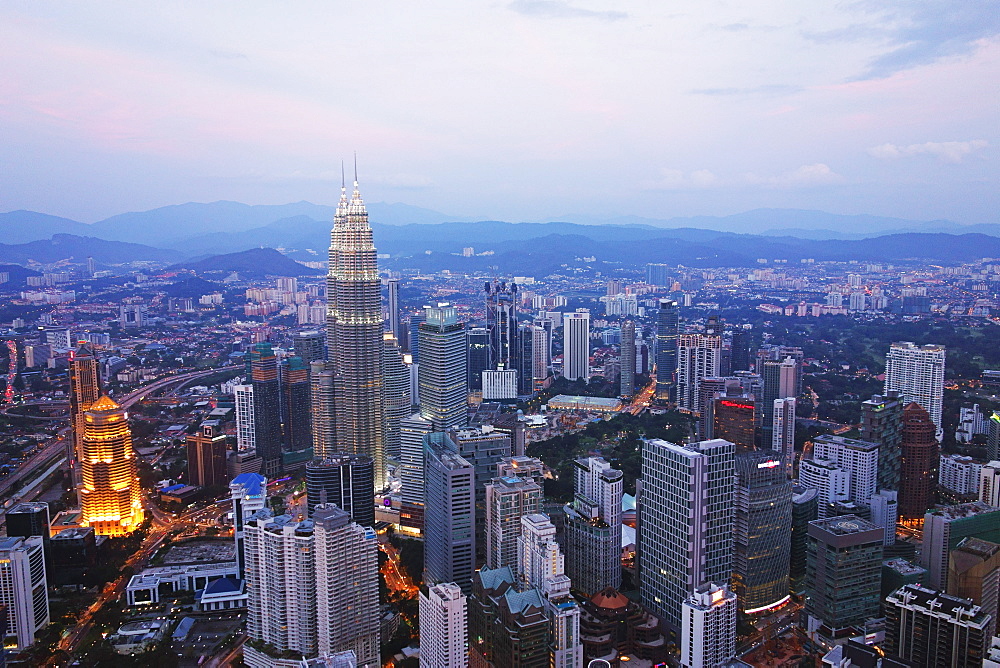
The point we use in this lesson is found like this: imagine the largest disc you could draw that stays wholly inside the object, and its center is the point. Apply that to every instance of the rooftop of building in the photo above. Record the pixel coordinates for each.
(201, 551)
(585, 403)
(493, 578)
(852, 443)
(27, 507)
(960, 609)
(845, 525)
(253, 483)
(74, 533)
(963, 510)
(903, 567)
(519, 601)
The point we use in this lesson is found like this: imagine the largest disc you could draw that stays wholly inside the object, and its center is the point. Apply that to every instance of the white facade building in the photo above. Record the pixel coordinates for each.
(245, 440)
(858, 457)
(917, 372)
(959, 474)
(989, 484)
(698, 356)
(576, 345)
(444, 627)
(783, 434)
(23, 589)
(708, 629)
(499, 384)
(885, 513)
(831, 482)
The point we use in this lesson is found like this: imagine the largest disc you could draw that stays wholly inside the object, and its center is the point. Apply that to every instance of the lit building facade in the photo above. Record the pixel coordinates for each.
(917, 373)
(110, 497)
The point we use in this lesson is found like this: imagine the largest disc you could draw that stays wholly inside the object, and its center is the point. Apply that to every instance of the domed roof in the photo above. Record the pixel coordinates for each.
(610, 599)
(105, 403)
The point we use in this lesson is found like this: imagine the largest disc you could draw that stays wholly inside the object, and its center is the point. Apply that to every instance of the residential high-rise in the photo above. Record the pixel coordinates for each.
(206, 457)
(508, 499)
(541, 565)
(23, 589)
(708, 627)
(576, 346)
(884, 508)
(860, 458)
(245, 441)
(783, 432)
(974, 574)
(928, 628)
(658, 274)
(346, 481)
(944, 529)
(84, 381)
(412, 431)
(917, 372)
(321, 389)
(685, 535)
(310, 346)
(698, 356)
(110, 497)
(266, 408)
(398, 403)
(392, 289)
(354, 334)
(762, 531)
(843, 578)
(541, 355)
(989, 483)
(918, 472)
(627, 381)
(249, 494)
(805, 509)
(779, 381)
(442, 374)
(347, 607)
(831, 482)
(477, 355)
(993, 436)
(296, 424)
(444, 627)
(882, 423)
(666, 349)
(594, 527)
(449, 515)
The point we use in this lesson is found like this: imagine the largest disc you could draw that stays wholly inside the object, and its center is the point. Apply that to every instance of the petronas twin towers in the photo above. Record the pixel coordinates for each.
(354, 335)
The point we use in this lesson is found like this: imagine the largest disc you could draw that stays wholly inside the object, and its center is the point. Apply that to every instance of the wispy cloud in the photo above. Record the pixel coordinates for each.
(805, 176)
(675, 179)
(562, 10)
(947, 151)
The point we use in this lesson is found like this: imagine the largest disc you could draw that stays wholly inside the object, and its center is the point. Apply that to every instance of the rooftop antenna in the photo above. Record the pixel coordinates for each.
(355, 167)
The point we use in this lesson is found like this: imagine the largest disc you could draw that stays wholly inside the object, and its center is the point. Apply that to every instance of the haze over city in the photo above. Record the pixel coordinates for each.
(525, 110)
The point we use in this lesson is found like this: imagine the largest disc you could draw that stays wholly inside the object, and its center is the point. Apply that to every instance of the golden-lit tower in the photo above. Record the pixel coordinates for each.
(85, 389)
(109, 495)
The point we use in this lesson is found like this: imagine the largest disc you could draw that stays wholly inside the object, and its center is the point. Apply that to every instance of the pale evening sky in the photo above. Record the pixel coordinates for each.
(512, 110)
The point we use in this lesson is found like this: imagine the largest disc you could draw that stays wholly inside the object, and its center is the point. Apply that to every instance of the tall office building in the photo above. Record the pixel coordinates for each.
(860, 458)
(296, 424)
(918, 472)
(944, 529)
(501, 323)
(989, 483)
(685, 535)
(412, 431)
(884, 508)
(805, 509)
(831, 482)
(762, 531)
(508, 499)
(928, 628)
(576, 346)
(444, 627)
(731, 418)
(310, 346)
(484, 447)
(698, 356)
(23, 589)
(398, 403)
(392, 289)
(477, 355)
(111, 500)
(206, 457)
(354, 334)
(843, 578)
(28, 518)
(347, 607)
(249, 494)
(882, 423)
(741, 351)
(541, 565)
(993, 436)
(324, 436)
(779, 381)
(449, 515)
(245, 440)
(917, 373)
(667, 333)
(84, 380)
(594, 527)
(974, 574)
(541, 355)
(343, 480)
(708, 635)
(627, 384)
(658, 274)
(443, 389)
(783, 432)
(266, 407)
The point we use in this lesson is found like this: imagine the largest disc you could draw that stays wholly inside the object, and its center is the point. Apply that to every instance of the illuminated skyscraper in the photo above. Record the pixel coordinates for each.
(576, 346)
(324, 439)
(354, 334)
(110, 497)
(84, 380)
(442, 373)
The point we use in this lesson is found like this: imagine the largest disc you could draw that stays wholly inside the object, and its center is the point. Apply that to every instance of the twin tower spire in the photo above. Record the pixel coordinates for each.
(355, 205)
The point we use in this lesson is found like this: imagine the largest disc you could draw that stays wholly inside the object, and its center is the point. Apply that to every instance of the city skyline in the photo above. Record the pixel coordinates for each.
(756, 105)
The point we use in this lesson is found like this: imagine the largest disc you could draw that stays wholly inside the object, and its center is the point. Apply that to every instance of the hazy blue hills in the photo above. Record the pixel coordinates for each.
(18, 227)
(253, 263)
(78, 249)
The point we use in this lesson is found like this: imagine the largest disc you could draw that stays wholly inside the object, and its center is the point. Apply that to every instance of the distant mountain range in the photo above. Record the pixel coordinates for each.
(253, 263)
(72, 247)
